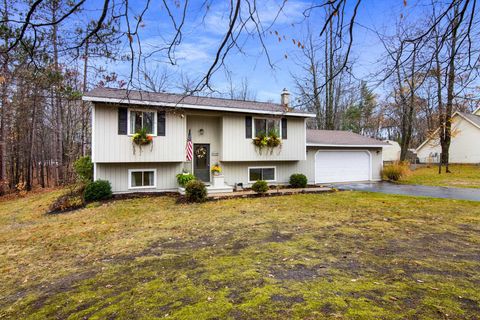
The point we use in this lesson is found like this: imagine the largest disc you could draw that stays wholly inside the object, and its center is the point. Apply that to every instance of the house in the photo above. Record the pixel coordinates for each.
(391, 152)
(465, 144)
(222, 131)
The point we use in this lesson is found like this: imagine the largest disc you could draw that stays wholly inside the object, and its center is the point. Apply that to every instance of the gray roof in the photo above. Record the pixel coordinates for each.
(172, 99)
(340, 138)
(474, 118)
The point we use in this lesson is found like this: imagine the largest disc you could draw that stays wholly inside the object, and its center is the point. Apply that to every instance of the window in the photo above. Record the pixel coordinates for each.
(264, 126)
(142, 120)
(142, 178)
(267, 174)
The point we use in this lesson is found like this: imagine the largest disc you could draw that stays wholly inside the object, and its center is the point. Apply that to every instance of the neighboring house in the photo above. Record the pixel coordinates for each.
(222, 131)
(465, 144)
(391, 152)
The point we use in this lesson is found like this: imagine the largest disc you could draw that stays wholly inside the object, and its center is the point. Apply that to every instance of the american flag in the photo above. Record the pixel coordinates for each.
(189, 147)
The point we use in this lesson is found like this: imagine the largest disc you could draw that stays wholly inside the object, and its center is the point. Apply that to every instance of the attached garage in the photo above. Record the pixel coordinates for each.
(343, 156)
(342, 166)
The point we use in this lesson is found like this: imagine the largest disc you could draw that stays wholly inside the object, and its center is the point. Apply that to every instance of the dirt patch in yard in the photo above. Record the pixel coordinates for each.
(298, 272)
(279, 236)
(287, 300)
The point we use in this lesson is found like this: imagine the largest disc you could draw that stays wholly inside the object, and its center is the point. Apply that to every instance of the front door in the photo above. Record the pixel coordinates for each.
(201, 162)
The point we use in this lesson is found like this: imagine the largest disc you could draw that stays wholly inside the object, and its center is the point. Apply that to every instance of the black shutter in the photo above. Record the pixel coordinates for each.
(161, 123)
(248, 127)
(284, 128)
(122, 120)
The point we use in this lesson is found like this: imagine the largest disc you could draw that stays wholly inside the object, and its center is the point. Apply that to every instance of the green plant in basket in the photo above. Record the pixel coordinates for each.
(142, 138)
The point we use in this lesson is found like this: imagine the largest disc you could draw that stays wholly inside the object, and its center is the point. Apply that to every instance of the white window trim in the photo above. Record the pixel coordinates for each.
(130, 171)
(264, 167)
(267, 118)
(155, 120)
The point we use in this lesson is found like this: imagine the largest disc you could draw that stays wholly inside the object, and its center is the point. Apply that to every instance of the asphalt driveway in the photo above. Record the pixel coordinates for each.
(414, 190)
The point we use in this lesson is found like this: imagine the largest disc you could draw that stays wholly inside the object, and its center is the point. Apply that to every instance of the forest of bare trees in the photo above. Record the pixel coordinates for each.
(429, 71)
(51, 51)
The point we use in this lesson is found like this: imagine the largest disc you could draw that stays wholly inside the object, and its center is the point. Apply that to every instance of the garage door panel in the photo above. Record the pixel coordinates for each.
(342, 166)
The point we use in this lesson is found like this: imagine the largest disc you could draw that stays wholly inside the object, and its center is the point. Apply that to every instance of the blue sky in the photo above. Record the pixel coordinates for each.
(202, 37)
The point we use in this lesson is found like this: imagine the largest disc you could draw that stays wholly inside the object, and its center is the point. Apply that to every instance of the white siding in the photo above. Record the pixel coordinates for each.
(236, 172)
(117, 174)
(235, 147)
(391, 153)
(109, 146)
(464, 148)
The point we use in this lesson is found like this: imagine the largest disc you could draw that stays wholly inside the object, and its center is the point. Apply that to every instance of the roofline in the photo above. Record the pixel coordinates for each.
(426, 140)
(464, 117)
(347, 145)
(433, 134)
(192, 106)
(475, 111)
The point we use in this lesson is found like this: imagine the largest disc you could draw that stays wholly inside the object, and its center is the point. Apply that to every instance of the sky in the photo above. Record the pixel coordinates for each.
(203, 34)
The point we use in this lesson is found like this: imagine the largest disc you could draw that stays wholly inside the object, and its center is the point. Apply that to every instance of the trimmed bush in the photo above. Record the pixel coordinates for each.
(394, 172)
(298, 180)
(84, 168)
(260, 186)
(98, 190)
(184, 178)
(195, 191)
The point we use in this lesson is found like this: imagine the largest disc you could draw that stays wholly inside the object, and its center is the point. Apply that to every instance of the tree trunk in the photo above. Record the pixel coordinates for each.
(447, 137)
(57, 102)
(3, 112)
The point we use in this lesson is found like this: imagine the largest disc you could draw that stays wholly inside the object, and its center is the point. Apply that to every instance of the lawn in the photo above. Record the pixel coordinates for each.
(461, 176)
(312, 256)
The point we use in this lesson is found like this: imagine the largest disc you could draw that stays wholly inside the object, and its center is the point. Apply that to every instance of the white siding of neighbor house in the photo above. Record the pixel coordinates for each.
(117, 174)
(464, 148)
(236, 172)
(391, 153)
(236, 147)
(109, 146)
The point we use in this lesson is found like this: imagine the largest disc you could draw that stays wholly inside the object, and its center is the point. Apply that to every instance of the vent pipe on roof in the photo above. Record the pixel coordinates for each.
(285, 98)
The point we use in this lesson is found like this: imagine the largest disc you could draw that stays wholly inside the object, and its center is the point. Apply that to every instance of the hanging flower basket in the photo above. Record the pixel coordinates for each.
(268, 142)
(141, 138)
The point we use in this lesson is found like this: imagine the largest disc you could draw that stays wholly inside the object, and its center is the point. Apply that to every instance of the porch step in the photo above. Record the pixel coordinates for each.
(211, 189)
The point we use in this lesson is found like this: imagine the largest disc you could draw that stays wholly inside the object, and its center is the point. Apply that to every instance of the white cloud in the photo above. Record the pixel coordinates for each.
(269, 12)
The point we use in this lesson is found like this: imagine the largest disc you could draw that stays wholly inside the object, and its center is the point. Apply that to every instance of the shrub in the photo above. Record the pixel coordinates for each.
(195, 191)
(260, 186)
(395, 172)
(184, 177)
(98, 190)
(84, 168)
(298, 180)
(67, 202)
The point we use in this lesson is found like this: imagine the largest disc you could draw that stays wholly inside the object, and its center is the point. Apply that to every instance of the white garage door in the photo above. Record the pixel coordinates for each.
(342, 166)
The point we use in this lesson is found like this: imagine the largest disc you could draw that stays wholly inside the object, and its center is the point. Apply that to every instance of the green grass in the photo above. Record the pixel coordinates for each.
(461, 176)
(313, 256)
